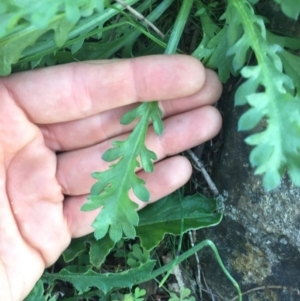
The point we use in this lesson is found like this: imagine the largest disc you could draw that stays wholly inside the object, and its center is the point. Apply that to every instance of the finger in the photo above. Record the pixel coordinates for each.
(89, 131)
(77, 90)
(172, 174)
(181, 132)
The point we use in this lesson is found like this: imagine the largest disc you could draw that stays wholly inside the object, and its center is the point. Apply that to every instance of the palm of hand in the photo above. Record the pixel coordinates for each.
(60, 110)
(33, 226)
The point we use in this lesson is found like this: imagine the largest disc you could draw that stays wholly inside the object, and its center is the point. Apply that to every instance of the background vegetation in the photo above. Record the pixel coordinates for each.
(229, 36)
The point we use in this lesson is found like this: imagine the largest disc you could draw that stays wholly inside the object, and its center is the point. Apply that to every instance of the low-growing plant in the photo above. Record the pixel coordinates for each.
(138, 295)
(184, 295)
(235, 41)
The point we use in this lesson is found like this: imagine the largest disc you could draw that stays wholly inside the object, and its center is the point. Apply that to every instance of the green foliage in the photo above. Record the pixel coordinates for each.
(138, 295)
(25, 36)
(165, 216)
(271, 93)
(12, 46)
(37, 294)
(83, 281)
(42, 33)
(39, 14)
(112, 189)
(126, 31)
(184, 295)
(98, 249)
(137, 256)
(104, 282)
(290, 7)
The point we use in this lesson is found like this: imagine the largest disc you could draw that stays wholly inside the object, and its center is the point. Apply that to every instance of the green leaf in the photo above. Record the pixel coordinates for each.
(111, 192)
(291, 65)
(76, 248)
(161, 217)
(250, 119)
(277, 146)
(127, 31)
(139, 292)
(211, 52)
(98, 249)
(40, 13)
(137, 256)
(30, 42)
(290, 7)
(104, 282)
(37, 293)
(283, 41)
(12, 47)
(184, 293)
(164, 217)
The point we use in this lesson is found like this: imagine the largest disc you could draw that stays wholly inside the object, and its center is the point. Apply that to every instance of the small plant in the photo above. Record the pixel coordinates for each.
(138, 295)
(137, 256)
(184, 295)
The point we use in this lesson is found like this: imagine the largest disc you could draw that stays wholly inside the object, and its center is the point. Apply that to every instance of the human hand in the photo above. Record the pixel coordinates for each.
(56, 122)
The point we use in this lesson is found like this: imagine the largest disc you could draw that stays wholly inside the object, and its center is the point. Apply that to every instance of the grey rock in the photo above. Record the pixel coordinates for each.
(259, 237)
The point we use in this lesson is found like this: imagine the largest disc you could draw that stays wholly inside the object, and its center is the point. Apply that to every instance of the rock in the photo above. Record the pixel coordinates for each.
(259, 237)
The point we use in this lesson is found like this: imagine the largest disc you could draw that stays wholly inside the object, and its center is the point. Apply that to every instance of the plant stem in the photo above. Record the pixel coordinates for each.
(190, 252)
(179, 26)
(175, 262)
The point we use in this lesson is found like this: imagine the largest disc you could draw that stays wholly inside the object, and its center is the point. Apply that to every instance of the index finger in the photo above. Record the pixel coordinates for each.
(77, 90)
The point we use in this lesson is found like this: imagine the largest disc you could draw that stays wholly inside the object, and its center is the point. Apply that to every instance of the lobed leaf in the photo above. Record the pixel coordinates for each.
(276, 105)
(137, 256)
(269, 91)
(111, 192)
(211, 52)
(290, 7)
(97, 250)
(23, 22)
(29, 42)
(11, 48)
(291, 65)
(39, 14)
(104, 282)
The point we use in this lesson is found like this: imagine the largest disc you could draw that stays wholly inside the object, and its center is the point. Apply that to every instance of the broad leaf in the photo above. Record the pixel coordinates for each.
(165, 216)
(162, 217)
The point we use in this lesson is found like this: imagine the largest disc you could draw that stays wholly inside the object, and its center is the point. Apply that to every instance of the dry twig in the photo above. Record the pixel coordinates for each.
(199, 166)
(139, 16)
